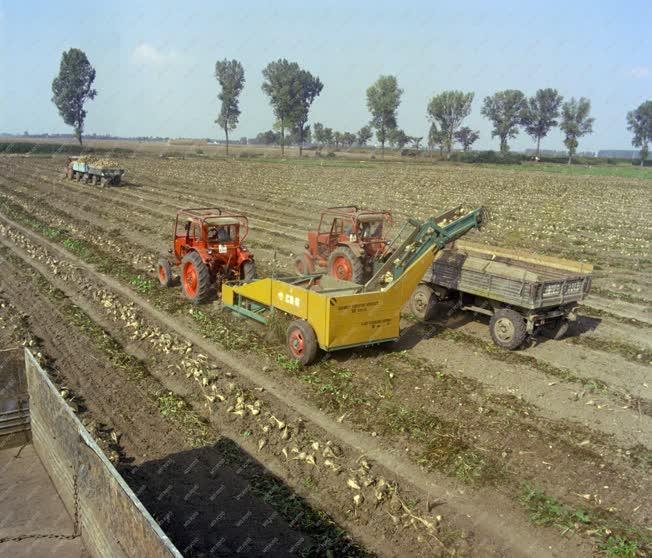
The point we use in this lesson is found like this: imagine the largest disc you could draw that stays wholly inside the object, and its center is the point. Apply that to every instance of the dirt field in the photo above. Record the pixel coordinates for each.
(441, 444)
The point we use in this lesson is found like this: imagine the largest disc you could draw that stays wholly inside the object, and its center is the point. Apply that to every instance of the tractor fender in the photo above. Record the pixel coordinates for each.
(357, 250)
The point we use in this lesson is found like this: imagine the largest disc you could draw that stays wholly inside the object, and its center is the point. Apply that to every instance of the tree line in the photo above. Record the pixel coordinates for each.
(292, 90)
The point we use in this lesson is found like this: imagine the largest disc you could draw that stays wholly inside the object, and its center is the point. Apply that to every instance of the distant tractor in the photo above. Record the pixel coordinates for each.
(94, 170)
(208, 248)
(347, 242)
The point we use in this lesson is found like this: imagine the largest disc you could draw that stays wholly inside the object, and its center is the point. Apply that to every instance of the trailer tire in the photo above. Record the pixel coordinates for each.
(302, 342)
(248, 270)
(117, 179)
(165, 276)
(507, 328)
(195, 278)
(303, 265)
(104, 182)
(343, 264)
(423, 303)
(556, 330)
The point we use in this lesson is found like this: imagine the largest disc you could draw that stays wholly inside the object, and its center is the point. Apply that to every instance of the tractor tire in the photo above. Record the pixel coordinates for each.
(302, 342)
(116, 180)
(343, 264)
(248, 270)
(557, 329)
(303, 265)
(423, 303)
(507, 329)
(165, 276)
(195, 278)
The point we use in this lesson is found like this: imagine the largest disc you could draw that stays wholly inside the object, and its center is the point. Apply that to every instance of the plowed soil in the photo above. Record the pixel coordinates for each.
(440, 444)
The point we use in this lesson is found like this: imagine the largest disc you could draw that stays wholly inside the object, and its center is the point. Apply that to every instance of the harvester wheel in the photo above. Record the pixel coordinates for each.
(302, 342)
(507, 328)
(304, 265)
(165, 275)
(195, 277)
(248, 270)
(342, 264)
(423, 303)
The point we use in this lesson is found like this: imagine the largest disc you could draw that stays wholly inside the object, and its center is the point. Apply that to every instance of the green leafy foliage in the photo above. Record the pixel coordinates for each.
(504, 109)
(448, 110)
(230, 76)
(540, 113)
(72, 88)
(383, 100)
(575, 123)
(639, 122)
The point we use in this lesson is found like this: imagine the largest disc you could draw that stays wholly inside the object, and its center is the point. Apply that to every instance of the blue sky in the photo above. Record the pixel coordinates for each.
(155, 60)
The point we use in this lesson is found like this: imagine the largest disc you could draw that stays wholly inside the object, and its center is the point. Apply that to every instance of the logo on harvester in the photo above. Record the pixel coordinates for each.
(289, 299)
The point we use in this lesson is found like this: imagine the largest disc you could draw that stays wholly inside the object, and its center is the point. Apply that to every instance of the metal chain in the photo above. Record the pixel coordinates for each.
(75, 532)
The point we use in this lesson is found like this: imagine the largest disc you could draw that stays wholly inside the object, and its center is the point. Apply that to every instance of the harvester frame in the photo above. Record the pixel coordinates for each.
(332, 314)
(208, 247)
(346, 242)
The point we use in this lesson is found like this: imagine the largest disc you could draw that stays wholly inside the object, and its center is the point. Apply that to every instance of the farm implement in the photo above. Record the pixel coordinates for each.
(208, 248)
(333, 314)
(94, 170)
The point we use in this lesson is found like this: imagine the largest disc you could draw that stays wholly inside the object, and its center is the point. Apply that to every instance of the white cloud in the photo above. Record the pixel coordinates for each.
(148, 55)
(640, 72)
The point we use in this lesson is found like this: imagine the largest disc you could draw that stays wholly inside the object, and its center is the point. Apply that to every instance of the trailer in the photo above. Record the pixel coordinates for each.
(331, 314)
(93, 170)
(522, 293)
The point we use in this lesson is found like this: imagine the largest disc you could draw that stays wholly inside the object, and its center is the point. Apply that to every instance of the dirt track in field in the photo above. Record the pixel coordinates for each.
(571, 417)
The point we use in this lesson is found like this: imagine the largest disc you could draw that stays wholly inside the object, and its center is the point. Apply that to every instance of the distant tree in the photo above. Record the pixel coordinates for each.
(283, 86)
(72, 88)
(540, 113)
(398, 138)
(309, 89)
(383, 99)
(348, 139)
(436, 139)
(243, 140)
(364, 135)
(639, 122)
(298, 136)
(575, 123)
(504, 109)
(415, 141)
(337, 138)
(328, 136)
(318, 133)
(268, 138)
(230, 76)
(449, 109)
(466, 137)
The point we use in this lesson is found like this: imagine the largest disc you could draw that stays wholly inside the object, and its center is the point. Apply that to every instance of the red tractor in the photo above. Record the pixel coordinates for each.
(346, 243)
(208, 248)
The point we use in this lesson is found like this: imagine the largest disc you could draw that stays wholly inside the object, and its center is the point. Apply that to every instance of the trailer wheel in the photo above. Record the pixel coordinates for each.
(507, 328)
(117, 179)
(165, 276)
(98, 179)
(79, 176)
(302, 342)
(195, 278)
(423, 303)
(248, 270)
(343, 264)
(104, 182)
(303, 265)
(557, 329)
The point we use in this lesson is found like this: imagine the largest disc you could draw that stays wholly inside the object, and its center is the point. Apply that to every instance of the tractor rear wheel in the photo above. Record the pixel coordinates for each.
(165, 275)
(423, 303)
(507, 328)
(248, 270)
(302, 342)
(195, 278)
(304, 265)
(343, 264)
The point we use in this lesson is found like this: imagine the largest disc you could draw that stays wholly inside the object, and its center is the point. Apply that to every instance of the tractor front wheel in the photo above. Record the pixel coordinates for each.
(248, 270)
(343, 264)
(302, 342)
(195, 278)
(165, 276)
(423, 303)
(304, 265)
(507, 328)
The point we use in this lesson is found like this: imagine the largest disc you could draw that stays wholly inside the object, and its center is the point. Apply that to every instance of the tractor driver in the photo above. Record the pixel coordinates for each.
(219, 234)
